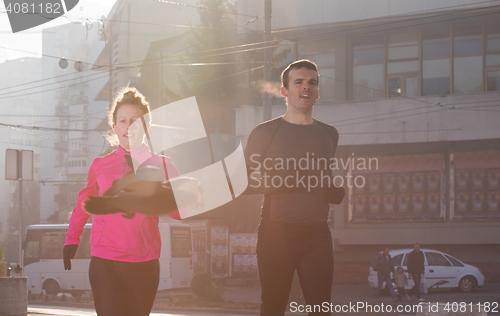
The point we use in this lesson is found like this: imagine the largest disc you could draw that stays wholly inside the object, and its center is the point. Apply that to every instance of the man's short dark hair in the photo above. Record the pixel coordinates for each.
(303, 63)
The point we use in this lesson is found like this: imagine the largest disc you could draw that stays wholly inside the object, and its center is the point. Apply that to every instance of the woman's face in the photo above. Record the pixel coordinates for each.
(129, 135)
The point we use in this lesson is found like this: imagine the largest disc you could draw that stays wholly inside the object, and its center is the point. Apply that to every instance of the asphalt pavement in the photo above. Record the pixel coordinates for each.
(344, 297)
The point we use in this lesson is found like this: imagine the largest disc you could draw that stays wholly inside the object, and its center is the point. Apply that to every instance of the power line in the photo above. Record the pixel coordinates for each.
(142, 62)
(414, 131)
(464, 109)
(78, 83)
(50, 116)
(51, 139)
(116, 69)
(52, 83)
(44, 79)
(215, 55)
(389, 118)
(253, 44)
(44, 55)
(47, 129)
(270, 44)
(273, 41)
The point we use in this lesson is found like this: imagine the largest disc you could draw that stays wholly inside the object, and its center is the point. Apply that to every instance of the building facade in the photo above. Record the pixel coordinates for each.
(413, 88)
(70, 143)
(20, 110)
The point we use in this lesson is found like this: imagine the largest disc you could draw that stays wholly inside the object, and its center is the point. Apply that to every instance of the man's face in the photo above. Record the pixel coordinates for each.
(303, 89)
(386, 251)
(416, 247)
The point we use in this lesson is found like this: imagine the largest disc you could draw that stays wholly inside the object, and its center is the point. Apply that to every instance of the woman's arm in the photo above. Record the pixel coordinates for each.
(79, 217)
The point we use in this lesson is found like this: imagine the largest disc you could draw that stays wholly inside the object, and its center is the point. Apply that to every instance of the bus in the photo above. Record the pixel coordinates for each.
(43, 261)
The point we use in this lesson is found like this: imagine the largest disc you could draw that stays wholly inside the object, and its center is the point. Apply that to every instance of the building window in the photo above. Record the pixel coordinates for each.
(493, 80)
(403, 46)
(492, 61)
(436, 67)
(436, 77)
(368, 67)
(427, 62)
(436, 43)
(468, 59)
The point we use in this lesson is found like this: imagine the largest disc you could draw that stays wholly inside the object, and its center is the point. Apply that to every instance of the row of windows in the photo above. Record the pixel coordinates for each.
(77, 163)
(438, 61)
(26, 142)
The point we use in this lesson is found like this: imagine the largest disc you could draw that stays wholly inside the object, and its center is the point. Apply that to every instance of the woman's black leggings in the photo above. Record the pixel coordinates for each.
(282, 249)
(123, 288)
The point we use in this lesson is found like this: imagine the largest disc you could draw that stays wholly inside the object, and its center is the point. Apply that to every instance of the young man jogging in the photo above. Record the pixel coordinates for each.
(291, 155)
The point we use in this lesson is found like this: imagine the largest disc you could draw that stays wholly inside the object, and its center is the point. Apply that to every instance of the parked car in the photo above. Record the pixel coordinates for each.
(441, 271)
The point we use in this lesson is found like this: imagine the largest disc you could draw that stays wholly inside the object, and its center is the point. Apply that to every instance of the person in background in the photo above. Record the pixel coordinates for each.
(416, 270)
(401, 281)
(384, 270)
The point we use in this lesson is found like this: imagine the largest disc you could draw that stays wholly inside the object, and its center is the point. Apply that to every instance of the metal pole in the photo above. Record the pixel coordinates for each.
(268, 5)
(19, 176)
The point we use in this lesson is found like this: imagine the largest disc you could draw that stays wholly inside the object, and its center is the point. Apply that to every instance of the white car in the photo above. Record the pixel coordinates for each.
(441, 271)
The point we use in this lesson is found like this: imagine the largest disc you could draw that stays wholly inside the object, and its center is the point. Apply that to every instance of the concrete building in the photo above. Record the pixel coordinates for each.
(19, 111)
(70, 143)
(414, 86)
(128, 30)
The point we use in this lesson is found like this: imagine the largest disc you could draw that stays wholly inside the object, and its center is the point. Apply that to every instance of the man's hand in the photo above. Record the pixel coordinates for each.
(69, 252)
(336, 195)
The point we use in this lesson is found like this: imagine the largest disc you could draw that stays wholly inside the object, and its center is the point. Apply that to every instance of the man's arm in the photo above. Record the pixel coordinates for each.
(336, 194)
(255, 153)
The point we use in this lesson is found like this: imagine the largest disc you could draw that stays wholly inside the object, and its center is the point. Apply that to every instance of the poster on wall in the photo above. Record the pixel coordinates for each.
(493, 179)
(475, 190)
(401, 188)
(243, 250)
(199, 233)
(219, 252)
(389, 203)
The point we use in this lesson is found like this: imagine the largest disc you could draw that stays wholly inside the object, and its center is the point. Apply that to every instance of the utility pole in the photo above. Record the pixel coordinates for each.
(266, 101)
(19, 166)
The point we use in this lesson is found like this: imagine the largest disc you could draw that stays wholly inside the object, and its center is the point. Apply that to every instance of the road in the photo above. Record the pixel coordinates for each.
(342, 294)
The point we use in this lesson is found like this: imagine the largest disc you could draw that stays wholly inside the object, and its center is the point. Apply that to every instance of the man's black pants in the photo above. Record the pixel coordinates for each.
(123, 288)
(284, 248)
(417, 279)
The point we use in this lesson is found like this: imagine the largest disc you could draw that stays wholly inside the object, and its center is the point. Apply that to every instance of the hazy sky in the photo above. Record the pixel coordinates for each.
(31, 40)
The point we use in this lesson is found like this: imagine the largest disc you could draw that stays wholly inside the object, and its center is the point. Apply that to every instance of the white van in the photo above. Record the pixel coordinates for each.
(43, 262)
(441, 271)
